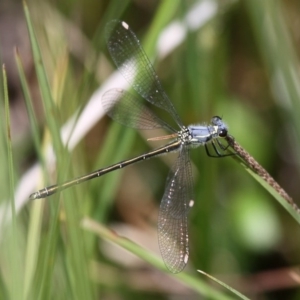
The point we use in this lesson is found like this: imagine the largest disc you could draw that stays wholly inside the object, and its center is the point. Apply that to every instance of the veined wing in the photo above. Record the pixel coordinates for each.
(174, 207)
(129, 110)
(133, 63)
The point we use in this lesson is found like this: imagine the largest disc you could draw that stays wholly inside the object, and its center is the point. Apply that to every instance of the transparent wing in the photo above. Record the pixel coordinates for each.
(133, 63)
(172, 220)
(129, 110)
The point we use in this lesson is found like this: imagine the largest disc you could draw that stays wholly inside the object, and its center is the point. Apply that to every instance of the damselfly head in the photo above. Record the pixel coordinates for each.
(222, 128)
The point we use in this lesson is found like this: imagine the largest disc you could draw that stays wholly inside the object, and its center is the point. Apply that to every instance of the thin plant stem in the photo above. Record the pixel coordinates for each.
(260, 171)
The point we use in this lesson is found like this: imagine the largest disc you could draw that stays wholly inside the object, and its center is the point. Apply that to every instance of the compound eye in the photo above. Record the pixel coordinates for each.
(223, 133)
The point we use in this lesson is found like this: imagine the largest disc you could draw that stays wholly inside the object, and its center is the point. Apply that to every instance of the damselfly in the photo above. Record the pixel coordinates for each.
(128, 109)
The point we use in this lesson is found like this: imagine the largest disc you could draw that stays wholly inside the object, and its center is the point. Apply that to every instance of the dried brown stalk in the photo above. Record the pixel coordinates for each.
(260, 171)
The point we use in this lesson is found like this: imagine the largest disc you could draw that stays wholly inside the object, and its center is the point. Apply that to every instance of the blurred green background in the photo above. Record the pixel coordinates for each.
(241, 63)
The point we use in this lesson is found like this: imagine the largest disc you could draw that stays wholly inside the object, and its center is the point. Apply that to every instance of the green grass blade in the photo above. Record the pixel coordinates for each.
(12, 243)
(9, 149)
(46, 265)
(189, 280)
(163, 16)
(277, 50)
(49, 106)
(224, 285)
(29, 107)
